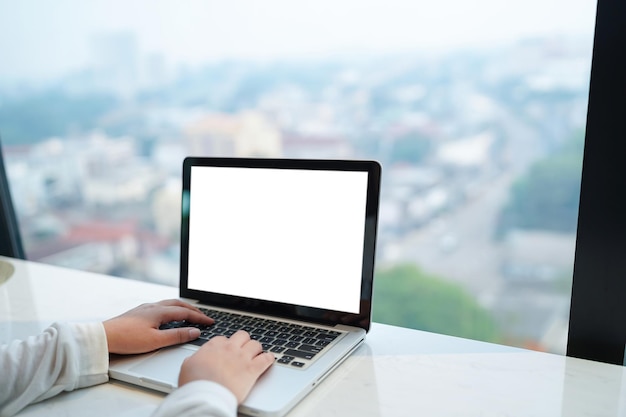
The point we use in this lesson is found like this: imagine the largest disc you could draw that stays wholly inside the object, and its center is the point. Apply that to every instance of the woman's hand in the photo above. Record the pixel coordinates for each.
(236, 363)
(137, 330)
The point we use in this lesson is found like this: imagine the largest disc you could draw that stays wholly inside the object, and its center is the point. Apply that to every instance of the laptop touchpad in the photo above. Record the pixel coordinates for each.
(164, 365)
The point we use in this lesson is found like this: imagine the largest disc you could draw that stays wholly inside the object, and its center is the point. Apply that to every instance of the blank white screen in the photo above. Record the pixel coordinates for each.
(284, 235)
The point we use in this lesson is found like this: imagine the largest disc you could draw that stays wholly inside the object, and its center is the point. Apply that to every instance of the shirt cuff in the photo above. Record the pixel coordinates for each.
(93, 364)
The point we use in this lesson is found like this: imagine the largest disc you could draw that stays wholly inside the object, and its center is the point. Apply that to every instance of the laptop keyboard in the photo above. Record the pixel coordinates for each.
(292, 344)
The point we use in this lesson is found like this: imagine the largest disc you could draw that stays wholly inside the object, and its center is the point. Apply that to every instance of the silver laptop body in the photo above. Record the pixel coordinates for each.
(287, 242)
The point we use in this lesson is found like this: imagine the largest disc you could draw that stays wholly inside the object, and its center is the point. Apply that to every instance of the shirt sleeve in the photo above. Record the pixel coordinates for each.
(199, 399)
(62, 358)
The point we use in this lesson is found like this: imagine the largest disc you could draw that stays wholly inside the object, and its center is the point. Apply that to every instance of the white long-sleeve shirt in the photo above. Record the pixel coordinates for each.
(66, 357)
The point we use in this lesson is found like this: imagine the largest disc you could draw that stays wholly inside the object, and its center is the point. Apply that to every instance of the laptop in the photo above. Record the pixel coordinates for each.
(284, 249)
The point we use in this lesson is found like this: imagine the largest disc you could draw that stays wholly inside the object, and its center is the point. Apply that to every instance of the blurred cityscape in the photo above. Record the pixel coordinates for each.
(94, 158)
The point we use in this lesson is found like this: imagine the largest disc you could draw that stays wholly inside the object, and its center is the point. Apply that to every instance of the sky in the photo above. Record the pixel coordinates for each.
(42, 38)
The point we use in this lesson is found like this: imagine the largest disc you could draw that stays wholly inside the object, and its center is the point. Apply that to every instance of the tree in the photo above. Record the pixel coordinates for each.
(406, 296)
(546, 197)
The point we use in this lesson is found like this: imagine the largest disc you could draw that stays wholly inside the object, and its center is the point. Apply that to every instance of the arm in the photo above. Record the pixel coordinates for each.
(70, 356)
(63, 358)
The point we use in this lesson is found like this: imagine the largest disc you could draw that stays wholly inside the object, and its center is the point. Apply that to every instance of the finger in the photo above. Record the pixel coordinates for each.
(252, 348)
(214, 342)
(240, 337)
(177, 313)
(177, 336)
(262, 362)
(179, 303)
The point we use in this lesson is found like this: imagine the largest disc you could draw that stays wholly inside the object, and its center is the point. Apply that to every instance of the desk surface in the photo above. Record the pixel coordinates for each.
(397, 372)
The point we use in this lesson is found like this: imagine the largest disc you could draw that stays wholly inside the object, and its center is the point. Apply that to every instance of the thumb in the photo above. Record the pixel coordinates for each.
(262, 362)
(179, 335)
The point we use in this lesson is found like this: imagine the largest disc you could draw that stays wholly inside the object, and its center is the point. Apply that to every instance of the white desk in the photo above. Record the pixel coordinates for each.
(397, 372)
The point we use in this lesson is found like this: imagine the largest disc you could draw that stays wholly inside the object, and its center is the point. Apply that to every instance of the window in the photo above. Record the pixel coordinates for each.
(476, 111)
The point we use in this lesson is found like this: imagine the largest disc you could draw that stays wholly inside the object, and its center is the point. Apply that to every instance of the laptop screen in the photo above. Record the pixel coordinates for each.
(288, 235)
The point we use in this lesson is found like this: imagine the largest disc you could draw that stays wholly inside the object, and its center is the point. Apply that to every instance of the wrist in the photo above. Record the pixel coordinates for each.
(110, 338)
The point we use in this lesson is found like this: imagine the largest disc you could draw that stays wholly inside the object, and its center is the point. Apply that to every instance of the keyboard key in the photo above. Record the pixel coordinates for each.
(310, 348)
(327, 337)
(299, 354)
(199, 342)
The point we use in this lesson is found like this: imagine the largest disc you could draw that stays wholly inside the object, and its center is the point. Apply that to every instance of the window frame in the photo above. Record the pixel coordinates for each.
(10, 237)
(598, 304)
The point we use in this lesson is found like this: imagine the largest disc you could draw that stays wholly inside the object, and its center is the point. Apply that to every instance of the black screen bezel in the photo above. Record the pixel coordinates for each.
(290, 311)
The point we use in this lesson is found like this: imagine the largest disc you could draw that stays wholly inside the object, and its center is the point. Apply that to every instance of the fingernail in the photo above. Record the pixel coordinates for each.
(194, 333)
